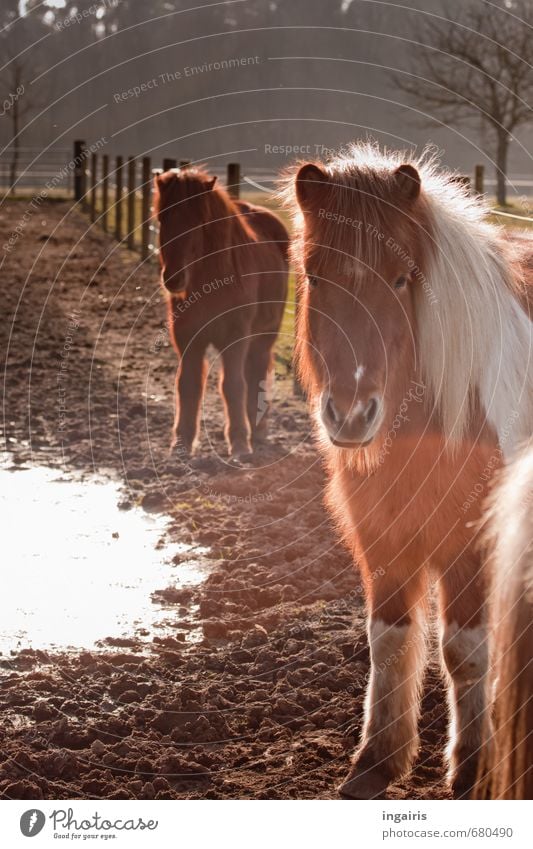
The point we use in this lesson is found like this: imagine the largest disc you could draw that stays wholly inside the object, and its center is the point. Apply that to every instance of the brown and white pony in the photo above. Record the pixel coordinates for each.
(225, 265)
(414, 345)
(507, 766)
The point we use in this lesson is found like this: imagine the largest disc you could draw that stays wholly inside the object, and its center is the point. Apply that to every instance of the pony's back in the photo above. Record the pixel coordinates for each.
(267, 225)
(509, 763)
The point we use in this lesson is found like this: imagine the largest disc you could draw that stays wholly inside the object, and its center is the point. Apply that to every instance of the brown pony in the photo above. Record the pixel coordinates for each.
(415, 351)
(225, 265)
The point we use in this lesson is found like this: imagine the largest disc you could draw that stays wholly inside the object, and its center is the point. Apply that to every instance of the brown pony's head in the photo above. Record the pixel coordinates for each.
(198, 224)
(360, 253)
(180, 202)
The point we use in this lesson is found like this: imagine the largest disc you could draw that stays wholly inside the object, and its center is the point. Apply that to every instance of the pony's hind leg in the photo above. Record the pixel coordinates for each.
(465, 656)
(258, 368)
(190, 383)
(396, 632)
(233, 387)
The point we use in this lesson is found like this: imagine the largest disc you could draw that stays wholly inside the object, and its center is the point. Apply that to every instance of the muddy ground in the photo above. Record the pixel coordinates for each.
(268, 702)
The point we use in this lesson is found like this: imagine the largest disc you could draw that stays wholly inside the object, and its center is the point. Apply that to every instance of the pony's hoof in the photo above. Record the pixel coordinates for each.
(260, 438)
(364, 784)
(242, 452)
(182, 449)
(461, 788)
(463, 778)
(463, 783)
(241, 461)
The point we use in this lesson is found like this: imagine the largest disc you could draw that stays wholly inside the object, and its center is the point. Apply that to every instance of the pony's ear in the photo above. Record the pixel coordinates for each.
(210, 183)
(407, 181)
(310, 181)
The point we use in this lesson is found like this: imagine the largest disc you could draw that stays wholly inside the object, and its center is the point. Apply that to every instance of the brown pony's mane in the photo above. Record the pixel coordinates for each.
(362, 182)
(192, 195)
(362, 190)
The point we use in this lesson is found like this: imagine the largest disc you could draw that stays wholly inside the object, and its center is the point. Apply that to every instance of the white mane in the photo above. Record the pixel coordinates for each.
(476, 341)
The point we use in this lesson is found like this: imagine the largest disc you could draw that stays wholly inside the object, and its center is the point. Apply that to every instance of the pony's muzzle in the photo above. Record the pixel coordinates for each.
(355, 425)
(175, 281)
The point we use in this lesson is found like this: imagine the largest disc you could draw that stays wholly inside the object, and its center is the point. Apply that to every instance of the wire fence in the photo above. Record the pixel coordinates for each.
(35, 168)
(32, 168)
(116, 191)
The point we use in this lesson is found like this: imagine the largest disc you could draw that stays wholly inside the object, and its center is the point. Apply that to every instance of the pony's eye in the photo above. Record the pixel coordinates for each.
(312, 280)
(401, 282)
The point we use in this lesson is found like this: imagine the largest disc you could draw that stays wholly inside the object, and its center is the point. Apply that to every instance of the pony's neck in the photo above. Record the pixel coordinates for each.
(211, 230)
(474, 337)
(224, 227)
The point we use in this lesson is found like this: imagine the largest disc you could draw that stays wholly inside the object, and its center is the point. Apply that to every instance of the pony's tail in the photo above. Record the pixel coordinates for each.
(507, 771)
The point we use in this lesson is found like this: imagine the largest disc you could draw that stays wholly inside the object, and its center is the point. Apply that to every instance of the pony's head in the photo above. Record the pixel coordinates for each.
(180, 201)
(360, 251)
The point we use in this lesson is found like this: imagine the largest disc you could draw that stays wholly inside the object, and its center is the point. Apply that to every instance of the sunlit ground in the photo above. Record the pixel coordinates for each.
(76, 568)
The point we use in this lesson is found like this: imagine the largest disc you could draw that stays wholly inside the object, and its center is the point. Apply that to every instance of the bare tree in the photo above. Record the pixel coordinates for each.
(15, 106)
(19, 39)
(476, 63)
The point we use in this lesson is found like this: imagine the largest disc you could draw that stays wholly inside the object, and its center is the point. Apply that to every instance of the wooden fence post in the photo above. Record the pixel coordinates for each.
(479, 179)
(118, 198)
(169, 163)
(234, 179)
(105, 192)
(131, 202)
(93, 181)
(145, 207)
(79, 170)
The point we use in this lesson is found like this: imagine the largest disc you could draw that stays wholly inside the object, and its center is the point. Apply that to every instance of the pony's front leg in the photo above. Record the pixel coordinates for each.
(396, 633)
(233, 386)
(258, 380)
(465, 655)
(190, 382)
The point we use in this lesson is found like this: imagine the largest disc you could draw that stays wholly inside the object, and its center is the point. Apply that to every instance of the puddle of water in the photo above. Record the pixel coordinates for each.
(76, 569)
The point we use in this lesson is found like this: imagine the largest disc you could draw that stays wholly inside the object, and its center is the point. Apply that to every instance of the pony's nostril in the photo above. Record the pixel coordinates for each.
(371, 411)
(331, 412)
(173, 281)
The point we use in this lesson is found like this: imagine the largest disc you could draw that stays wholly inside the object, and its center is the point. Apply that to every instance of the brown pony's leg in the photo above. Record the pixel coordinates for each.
(465, 655)
(396, 633)
(258, 367)
(190, 382)
(233, 387)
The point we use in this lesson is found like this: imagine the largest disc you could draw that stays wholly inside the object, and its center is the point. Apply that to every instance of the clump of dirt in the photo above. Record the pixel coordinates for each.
(268, 702)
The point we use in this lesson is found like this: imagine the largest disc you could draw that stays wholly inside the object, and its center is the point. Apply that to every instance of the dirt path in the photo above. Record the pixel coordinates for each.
(268, 703)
